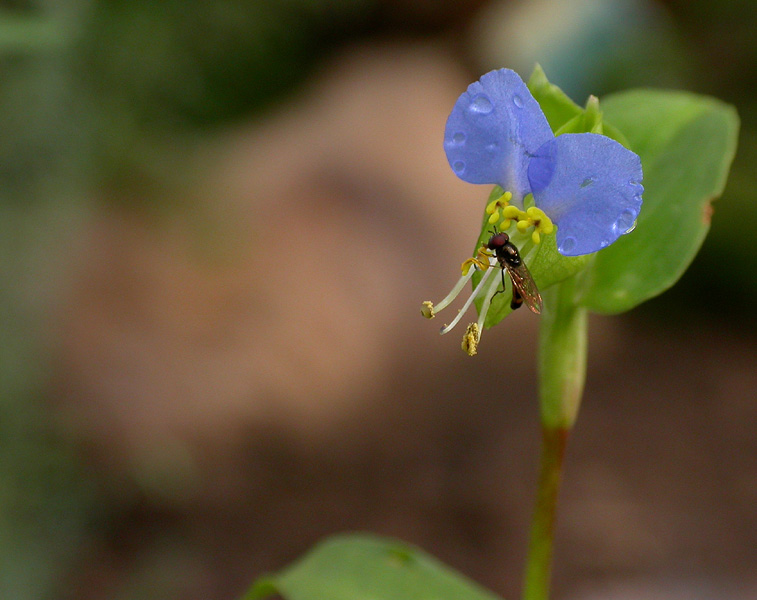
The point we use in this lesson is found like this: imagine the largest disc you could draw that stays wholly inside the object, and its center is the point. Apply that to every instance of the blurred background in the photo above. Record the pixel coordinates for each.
(218, 219)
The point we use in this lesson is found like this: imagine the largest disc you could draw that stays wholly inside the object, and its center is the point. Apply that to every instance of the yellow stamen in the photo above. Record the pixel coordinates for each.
(494, 208)
(531, 217)
(535, 213)
(481, 260)
(427, 310)
(511, 212)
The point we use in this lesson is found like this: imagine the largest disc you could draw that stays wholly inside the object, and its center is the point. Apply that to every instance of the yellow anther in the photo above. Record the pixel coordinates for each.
(511, 212)
(494, 207)
(535, 213)
(536, 218)
(470, 340)
(505, 224)
(483, 256)
(481, 260)
(467, 264)
(427, 309)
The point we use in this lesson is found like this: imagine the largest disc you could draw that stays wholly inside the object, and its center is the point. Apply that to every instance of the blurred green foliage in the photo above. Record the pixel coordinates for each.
(158, 72)
(112, 90)
(105, 95)
(199, 62)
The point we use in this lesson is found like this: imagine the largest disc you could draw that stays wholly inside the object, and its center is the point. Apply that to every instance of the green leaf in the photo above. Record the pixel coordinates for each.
(557, 106)
(565, 116)
(588, 121)
(367, 567)
(686, 143)
(614, 133)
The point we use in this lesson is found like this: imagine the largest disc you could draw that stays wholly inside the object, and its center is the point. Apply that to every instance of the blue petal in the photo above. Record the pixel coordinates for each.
(590, 186)
(493, 130)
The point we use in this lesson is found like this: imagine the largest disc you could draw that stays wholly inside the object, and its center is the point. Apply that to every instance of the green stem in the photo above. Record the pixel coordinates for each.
(562, 372)
(562, 356)
(540, 549)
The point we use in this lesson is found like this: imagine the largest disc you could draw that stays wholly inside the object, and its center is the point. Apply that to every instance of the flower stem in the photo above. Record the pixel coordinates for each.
(562, 356)
(562, 372)
(540, 549)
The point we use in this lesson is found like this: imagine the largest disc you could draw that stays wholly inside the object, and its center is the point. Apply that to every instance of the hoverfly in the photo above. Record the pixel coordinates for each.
(524, 288)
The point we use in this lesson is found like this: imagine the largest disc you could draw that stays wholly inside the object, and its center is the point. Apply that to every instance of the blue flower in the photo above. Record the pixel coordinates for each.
(587, 184)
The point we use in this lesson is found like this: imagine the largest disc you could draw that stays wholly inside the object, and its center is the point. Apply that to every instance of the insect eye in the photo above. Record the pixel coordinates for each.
(497, 241)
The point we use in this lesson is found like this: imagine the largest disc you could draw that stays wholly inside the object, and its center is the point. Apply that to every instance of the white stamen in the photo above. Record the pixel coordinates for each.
(468, 302)
(455, 290)
(491, 290)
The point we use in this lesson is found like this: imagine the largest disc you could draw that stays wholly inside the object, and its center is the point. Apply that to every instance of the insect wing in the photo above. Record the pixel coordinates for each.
(524, 283)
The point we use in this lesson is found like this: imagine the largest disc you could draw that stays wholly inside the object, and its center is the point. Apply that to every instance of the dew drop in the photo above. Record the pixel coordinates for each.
(567, 245)
(625, 222)
(588, 181)
(518, 101)
(458, 137)
(481, 104)
(458, 166)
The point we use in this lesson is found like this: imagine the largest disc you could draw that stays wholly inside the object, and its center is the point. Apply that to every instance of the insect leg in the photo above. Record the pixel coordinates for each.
(503, 284)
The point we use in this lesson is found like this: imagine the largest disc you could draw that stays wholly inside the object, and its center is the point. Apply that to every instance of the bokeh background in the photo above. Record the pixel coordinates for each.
(218, 219)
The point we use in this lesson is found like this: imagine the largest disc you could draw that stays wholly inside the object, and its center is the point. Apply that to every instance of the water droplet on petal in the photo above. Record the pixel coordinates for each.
(625, 222)
(604, 243)
(567, 245)
(459, 137)
(518, 101)
(492, 147)
(458, 166)
(588, 181)
(481, 104)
